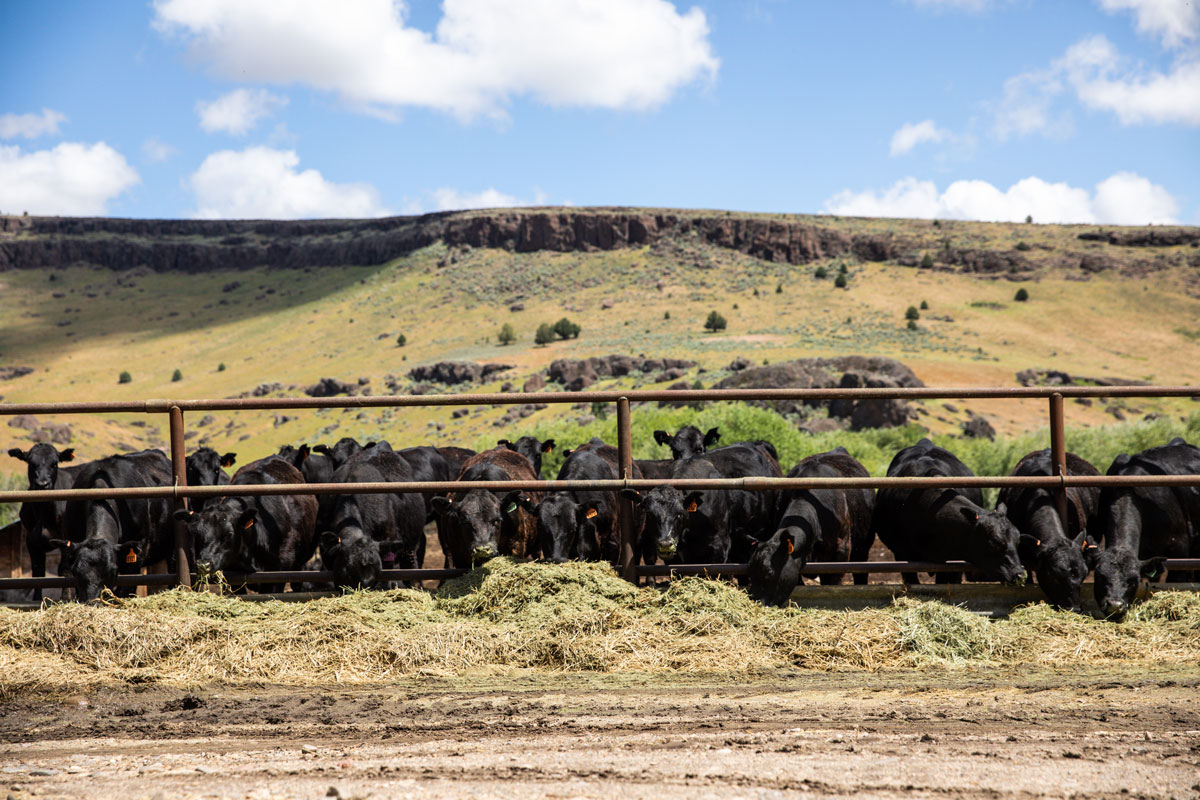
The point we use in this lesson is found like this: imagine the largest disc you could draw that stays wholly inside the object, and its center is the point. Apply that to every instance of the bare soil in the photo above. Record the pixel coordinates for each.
(945, 733)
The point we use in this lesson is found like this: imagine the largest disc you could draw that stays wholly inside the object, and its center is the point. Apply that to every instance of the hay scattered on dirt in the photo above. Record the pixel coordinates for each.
(570, 617)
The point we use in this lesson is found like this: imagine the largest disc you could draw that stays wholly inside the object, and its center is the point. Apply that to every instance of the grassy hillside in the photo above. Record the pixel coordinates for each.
(79, 327)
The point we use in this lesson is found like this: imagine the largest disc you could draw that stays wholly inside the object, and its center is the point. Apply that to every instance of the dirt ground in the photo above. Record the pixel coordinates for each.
(944, 733)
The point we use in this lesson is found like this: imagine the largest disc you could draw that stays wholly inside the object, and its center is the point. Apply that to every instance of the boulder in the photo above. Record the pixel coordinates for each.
(978, 428)
(455, 372)
(330, 387)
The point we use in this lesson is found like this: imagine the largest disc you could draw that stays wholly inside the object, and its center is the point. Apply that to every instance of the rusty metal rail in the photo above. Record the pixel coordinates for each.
(180, 491)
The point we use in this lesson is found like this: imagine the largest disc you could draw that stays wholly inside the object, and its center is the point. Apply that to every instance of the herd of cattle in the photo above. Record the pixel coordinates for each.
(355, 536)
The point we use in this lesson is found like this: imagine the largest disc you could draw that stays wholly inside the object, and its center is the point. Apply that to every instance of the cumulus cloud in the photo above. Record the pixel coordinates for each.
(237, 112)
(262, 183)
(30, 126)
(1122, 199)
(1175, 22)
(446, 199)
(912, 134)
(73, 179)
(615, 54)
(156, 150)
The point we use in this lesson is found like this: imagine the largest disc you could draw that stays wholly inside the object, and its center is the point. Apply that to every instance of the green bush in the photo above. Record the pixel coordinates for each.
(1022, 246)
(912, 313)
(567, 329)
(507, 335)
(926, 261)
(124, 377)
(1021, 296)
(176, 376)
(715, 322)
(221, 367)
(666, 315)
(401, 340)
(820, 273)
(544, 334)
(924, 305)
(840, 281)
(779, 288)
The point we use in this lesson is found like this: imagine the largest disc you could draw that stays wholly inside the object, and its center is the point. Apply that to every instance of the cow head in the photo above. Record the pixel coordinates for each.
(1118, 573)
(774, 568)
(345, 449)
(352, 557)
(472, 523)
(531, 448)
(565, 529)
(668, 516)
(991, 545)
(204, 466)
(42, 462)
(223, 536)
(296, 456)
(92, 563)
(688, 441)
(1060, 566)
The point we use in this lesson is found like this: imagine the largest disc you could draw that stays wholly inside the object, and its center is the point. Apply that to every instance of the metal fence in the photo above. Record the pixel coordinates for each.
(180, 491)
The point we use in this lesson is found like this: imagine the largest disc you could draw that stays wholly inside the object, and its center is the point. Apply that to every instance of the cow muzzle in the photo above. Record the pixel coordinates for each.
(482, 554)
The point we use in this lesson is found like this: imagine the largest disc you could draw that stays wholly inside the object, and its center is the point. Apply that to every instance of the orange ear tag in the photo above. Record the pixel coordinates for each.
(249, 524)
(591, 512)
(692, 506)
(791, 547)
(131, 557)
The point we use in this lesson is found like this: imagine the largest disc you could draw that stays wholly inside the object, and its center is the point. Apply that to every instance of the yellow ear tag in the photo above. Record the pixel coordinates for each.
(1039, 543)
(692, 506)
(131, 557)
(591, 512)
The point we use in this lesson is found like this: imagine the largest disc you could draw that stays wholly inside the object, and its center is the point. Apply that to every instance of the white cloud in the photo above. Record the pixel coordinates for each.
(73, 179)
(237, 112)
(1122, 199)
(616, 54)
(1174, 21)
(912, 134)
(156, 150)
(262, 183)
(453, 200)
(30, 126)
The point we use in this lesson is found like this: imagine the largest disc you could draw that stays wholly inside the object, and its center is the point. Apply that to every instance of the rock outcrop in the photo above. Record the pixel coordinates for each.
(576, 374)
(455, 372)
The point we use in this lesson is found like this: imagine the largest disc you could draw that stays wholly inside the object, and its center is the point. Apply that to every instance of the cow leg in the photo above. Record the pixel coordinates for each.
(861, 551)
(37, 564)
(831, 580)
(949, 577)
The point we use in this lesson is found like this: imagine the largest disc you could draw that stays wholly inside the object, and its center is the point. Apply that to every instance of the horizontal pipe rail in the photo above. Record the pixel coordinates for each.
(645, 484)
(638, 395)
(315, 576)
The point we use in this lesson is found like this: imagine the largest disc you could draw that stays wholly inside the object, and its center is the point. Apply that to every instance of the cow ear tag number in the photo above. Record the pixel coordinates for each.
(692, 506)
(591, 512)
(131, 557)
(510, 508)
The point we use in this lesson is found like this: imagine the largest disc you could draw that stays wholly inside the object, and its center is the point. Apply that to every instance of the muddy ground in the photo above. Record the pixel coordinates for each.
(944, 733)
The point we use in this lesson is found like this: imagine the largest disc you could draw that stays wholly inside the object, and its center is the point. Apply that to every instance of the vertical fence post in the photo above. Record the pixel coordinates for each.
(179, 470)
(627, 561)
(1058, 455)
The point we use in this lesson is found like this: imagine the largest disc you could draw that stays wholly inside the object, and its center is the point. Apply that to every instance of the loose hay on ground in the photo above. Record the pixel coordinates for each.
(571, 617)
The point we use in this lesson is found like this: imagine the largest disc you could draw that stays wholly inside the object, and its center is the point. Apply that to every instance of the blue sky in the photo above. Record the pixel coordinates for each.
(1081, 111)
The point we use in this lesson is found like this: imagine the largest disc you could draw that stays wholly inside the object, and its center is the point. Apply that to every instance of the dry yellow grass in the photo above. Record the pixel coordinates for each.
(558, 618)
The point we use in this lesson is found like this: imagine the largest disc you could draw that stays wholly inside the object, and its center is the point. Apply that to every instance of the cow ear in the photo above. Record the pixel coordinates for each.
(321, 448)
(970, 515)
(17, 452)
(632, 494)
(548, 446)
(525, 502)
(662, 437)
(184, 514)
(61, 544)
(1027, 547)
(1001, 508)
(1151, 568)
(329, 540)
(247, 519)
(440, 504)
(1080, 542)
(67, 455)
(511, 502)
(505, 443)
(692, 502)
(303, 451)
(712, 437)
(228, 459)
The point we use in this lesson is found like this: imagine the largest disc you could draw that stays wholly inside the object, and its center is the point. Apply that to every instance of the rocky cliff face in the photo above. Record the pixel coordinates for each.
(202, 246)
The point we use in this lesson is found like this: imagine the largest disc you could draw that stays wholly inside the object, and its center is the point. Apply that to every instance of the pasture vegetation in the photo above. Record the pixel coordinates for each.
(558, 618)
(293, 327)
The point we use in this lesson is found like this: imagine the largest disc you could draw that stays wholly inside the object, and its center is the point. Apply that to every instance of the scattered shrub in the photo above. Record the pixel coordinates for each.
(1022, 246)
(1028, 219)
(544, 334)
(912, 313)
(401, 340)
(926, 261)
(507, 335)
(820, 273)
(912, 324)
(1021, 296)
(840, 281)
(221, 367)
(567, 329)
(176, 376)
(666, 315)
(715, 322)
(924, 305)
(124, 377)
(779, 288)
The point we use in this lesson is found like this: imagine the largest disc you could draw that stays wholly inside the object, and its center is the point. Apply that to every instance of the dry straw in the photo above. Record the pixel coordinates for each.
(570, 617)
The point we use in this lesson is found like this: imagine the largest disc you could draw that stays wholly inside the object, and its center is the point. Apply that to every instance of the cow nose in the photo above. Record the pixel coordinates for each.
(482, 554)
(1115, 610)
(667, 550)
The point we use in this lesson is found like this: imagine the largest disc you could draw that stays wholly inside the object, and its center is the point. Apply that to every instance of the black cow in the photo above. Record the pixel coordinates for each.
(345, 449)
(817, 525)
(1145, 525)
(944, 524)
(111, 536)
(374, 531)
(42, 522)
(531, 448)
(691, 527)
(316, 468)
(1057, 557)
(479, 524)
(255, 534)
(455, 457)
(582, 523)
(204, 468)
(688, 441)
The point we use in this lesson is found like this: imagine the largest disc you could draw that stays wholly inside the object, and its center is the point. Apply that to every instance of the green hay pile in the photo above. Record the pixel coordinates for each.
(567, 618)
